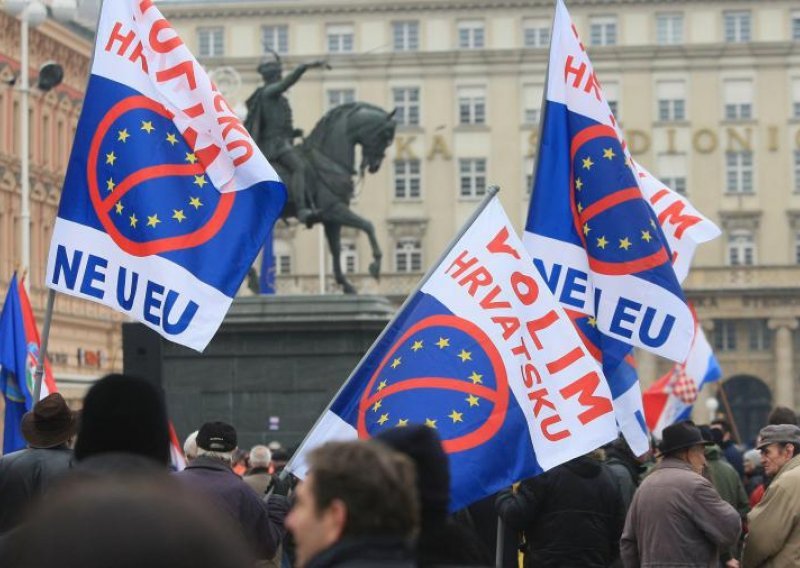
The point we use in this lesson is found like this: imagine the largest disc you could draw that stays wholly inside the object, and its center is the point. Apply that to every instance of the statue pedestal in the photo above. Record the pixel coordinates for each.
(271, 369)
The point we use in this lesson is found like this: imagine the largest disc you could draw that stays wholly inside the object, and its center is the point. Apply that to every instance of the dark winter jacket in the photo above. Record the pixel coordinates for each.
(261, 522)
(25, 476)
(365, 553)
(734, 456)
(571, 516)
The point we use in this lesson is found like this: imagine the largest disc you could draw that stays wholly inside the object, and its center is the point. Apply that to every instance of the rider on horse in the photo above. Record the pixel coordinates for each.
(269, 121)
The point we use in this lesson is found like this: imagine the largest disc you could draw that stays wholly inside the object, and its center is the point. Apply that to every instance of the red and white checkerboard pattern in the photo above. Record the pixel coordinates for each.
(683, 386)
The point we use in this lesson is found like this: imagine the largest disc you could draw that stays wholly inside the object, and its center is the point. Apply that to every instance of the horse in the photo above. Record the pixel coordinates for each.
(330, 154)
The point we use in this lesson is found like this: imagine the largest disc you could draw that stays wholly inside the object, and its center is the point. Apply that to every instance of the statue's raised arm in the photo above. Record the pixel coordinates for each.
(273, 89)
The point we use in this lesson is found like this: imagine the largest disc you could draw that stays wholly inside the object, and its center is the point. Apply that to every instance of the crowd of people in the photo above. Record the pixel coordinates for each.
(96, 489)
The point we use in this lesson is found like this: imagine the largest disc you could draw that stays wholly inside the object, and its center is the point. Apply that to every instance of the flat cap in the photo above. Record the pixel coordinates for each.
(778, 434)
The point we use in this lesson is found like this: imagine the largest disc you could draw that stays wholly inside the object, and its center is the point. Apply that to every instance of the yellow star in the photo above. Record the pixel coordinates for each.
(580, 208)
(430, 423)
(153, 220)
(195, 202)
(592, 321)
(417, 346)
(376, 406)
(381, 386)
(383, 419)
(172, 139)
(134, 220)
(443, 342)
(147, 126)
(111, 158)
(123, 135)
(110, 185)
(587, 163)
(119, 207)
(579, 184)
(473, 400)
(178, 215)
(465, 356)
(608, 153)
(624, 243)
(476, 378)
(646, 236)
(402, 422)
(200, 181)
(396, 363)
(602, 242)
(190, 157)
(456, 416)
(586, 228)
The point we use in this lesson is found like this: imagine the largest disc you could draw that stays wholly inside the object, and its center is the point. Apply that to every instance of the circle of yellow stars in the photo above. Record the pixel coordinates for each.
(178, 215)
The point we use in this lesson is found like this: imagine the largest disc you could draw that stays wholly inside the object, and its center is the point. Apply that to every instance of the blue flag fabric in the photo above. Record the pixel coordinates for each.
(266, 280)
(13, 369)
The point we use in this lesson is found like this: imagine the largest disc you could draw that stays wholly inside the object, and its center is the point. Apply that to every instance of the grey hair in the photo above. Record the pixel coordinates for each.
(190, 446)
(227, 457)
(260, 456)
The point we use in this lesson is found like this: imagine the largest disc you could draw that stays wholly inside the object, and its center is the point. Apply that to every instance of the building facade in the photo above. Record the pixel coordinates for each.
(85, 338)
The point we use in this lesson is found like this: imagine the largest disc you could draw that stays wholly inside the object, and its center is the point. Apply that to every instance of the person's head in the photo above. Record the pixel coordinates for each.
(353, 490)
(217, 440)
(684, 441)
(260, 456)
(782, 415)
(751, 460)
(271, 68)
(190, 446)
(50, 424)
(125, 522)
(724, 426)
(124, 414)
(778, 443)
(280, 457)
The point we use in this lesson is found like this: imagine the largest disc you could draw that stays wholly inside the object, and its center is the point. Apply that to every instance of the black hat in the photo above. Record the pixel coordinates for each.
(217, 437)
(124, 414)
(50, 423)
(681, 436)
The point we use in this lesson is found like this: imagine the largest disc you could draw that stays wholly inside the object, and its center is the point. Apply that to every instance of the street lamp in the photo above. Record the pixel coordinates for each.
(31, 13)
(711, 405)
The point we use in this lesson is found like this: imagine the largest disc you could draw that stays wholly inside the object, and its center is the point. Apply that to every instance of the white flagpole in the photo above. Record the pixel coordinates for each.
(39, 374)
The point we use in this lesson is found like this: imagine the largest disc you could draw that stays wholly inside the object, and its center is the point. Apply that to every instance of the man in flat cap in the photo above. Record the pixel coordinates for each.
(774, 537)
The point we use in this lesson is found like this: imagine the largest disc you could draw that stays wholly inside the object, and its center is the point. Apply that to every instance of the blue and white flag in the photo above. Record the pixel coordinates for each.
(13, 369)
(590, 231)
(167, 200)
(485, 355)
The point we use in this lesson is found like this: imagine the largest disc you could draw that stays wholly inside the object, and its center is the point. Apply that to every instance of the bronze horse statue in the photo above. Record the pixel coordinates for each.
(330, 154)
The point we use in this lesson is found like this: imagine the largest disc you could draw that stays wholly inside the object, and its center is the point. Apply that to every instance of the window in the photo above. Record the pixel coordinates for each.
(797, 171)
(408, 256)
(796, 97)
(471, 34)
(741, 248)
(338, 97)
(669, 29)
(349, 257)
(532, 103)
(340, 38)
(283, 264)
(725, 335)
(737, 26)
(211, 42)
(796, 26)
(406, 101)
(738, 96)
(275, 38)
(528, 175)
(472, 177)
(603, 30)
(472, 105)
(739, 172)
(535, 33)
(759, 335)
(406, 179)
(671, 100)
(406, 36)
(797, 248)
(672, 171)
(611, 93)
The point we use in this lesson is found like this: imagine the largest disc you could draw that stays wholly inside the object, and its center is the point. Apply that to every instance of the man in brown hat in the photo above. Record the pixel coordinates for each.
(677, 518)
(27, 474)
(774, 537)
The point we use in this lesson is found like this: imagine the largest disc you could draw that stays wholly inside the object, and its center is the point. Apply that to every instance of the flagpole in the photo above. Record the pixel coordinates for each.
(499, 545)
(491, 192)
(48, 317)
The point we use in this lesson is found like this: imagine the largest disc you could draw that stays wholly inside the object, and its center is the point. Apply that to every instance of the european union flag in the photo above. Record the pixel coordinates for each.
(13, 369)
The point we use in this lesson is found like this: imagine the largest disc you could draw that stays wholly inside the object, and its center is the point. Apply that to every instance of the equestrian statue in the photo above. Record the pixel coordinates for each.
(319, 171)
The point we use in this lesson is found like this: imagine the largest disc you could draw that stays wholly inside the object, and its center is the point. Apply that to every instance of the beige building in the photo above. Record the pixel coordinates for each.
(708, 93)
(85, 338)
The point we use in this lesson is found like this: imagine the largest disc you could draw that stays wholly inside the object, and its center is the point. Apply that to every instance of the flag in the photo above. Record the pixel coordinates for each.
(266, 280)
(591, 233)
(19, 354)
(670, 398)
(176, 457)
(167, 200)
(483, 354)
